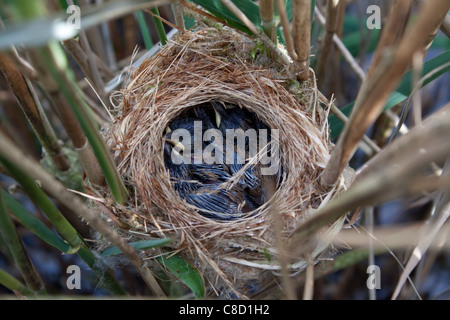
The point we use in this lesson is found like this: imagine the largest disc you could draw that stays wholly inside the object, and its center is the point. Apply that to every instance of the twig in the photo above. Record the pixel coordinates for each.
(286, 30)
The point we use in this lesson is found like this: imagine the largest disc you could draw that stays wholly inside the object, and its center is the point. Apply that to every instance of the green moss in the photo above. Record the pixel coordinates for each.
(73, 177)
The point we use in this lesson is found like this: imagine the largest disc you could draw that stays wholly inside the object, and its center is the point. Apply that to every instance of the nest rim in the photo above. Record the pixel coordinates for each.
(302, 137)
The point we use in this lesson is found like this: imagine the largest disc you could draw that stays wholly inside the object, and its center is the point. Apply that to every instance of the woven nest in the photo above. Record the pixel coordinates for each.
(196, 68)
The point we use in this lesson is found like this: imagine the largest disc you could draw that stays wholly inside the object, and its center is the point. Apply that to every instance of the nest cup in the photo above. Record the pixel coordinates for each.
(218, 65)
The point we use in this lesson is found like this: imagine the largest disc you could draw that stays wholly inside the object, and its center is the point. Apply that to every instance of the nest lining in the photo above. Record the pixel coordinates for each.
(197, 68)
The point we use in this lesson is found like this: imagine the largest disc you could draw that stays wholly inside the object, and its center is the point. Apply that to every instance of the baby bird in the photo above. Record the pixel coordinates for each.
(207, 185)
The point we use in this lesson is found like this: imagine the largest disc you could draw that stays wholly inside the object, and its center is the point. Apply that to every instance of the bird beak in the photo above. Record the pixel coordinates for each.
(175, 144)
(168, 129)
(218, 116)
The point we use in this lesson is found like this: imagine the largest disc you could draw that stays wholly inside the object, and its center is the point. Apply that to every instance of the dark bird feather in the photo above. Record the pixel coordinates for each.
(203, 184)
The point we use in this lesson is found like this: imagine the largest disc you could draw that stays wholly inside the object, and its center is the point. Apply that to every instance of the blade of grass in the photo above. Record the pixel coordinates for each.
(144, 30)
(159, 26)
(138, 245)
(57, 190)
(67, 232)
(56, 62)
(37, 227)
(17, 250)
(34, 224)
(13, 284)
(186, 272)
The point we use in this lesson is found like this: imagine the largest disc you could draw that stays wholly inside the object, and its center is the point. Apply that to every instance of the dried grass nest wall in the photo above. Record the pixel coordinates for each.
(198, 67)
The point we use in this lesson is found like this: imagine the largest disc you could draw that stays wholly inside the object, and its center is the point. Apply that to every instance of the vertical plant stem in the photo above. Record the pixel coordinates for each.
(177, 9)
(343, 49)
(79, 140)
(94, 71)
(68, 119)
(144, 30)
(288, 286)
(308, 291)
(301, 30)
(37, 119)
(55, 65)
(17, 250)
(159, 26)
(93, 34)
(266, 12)
(330, 30)
(286, 29)
(51, 57)
(370, 223)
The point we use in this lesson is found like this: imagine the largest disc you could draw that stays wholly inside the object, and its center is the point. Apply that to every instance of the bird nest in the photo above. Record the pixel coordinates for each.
(197, 68)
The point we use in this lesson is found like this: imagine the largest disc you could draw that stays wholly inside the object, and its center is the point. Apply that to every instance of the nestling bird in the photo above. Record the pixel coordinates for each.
(214, 188)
